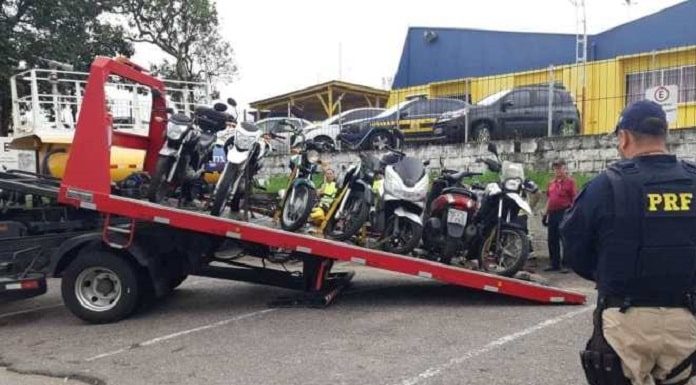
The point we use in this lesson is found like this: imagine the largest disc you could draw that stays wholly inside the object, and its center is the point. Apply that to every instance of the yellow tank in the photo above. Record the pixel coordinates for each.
(54, 150)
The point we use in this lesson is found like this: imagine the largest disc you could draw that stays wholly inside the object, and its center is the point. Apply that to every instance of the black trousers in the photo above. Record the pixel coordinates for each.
(554, 238)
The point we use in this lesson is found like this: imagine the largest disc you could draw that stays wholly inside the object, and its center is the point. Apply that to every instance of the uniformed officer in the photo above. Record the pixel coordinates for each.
(632, 230)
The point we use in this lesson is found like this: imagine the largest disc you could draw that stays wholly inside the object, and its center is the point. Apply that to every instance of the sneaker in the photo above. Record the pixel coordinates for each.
(564, 271)
(551, 268)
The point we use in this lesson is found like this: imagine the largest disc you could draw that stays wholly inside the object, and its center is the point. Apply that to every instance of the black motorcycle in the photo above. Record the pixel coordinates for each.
(351, 208)
(450, 212)
(502, 244)
(188, 146)
(300, 197)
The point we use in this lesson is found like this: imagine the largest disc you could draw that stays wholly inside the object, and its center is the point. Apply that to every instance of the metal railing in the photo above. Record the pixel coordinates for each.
(48, 100)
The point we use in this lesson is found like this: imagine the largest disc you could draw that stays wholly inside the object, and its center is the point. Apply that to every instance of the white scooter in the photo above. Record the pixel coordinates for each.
(401, 202)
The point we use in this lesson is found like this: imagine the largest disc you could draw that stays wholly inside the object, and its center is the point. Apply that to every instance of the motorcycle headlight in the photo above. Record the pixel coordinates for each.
(312, 156)
(512, 184)
(243, 141)
(175, 131)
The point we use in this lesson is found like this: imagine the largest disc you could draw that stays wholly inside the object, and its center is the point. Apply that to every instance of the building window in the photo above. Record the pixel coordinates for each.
(684, 77)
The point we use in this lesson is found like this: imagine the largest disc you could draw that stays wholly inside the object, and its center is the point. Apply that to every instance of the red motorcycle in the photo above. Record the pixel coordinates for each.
(450, 210)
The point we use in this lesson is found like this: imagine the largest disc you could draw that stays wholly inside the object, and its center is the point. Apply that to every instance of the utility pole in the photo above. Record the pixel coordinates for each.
(581, 51)
(340, 60)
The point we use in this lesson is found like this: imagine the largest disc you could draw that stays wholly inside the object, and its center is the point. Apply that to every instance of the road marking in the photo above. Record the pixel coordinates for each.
(178, 334)
(436, 370)
(30, 310)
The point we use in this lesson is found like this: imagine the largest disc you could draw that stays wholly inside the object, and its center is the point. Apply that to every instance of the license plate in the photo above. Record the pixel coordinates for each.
(457, 216)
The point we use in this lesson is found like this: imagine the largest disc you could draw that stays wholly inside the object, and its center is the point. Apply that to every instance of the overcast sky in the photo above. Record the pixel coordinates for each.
(284, 45)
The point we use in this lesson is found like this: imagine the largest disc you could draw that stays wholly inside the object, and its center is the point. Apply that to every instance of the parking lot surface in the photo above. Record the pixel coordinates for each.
(385, 329)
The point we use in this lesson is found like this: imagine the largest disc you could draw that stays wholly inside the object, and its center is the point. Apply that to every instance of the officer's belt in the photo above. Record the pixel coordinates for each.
(626, 302)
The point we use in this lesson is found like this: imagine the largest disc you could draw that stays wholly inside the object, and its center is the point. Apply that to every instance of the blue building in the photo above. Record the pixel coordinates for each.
(439, 54)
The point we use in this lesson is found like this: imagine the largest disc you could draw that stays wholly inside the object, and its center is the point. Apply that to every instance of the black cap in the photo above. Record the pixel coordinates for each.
(643, 116)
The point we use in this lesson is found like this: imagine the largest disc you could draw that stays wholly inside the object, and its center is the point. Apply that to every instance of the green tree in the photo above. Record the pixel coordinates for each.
(186, 30)
(69, 31)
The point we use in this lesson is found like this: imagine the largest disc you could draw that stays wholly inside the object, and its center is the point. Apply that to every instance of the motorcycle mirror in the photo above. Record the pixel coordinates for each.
(493, 149)
(493, 165)
(232, 102)
(220, 107)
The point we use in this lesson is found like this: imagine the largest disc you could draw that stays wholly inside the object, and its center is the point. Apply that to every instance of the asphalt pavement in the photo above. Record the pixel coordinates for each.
(385, 329)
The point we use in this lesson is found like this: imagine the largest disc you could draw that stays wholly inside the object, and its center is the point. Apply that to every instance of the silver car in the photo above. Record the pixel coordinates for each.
(326, 131)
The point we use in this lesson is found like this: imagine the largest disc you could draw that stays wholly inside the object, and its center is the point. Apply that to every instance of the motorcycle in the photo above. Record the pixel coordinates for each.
(502, 244)
(450, 213)
(245, 153)
(300, 197)
(350, 210)
(401, 201)
(188, 146)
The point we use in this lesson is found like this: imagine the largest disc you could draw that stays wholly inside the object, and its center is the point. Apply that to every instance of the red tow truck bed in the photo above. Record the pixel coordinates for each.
(86, 184)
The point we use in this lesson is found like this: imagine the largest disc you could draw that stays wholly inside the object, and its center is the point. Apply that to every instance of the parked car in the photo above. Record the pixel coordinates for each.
(272, 125)
(328, 130)
(514, 113)
(410, 120)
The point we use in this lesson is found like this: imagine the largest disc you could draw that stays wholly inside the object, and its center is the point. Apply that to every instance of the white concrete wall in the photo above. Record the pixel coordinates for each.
(587, 154)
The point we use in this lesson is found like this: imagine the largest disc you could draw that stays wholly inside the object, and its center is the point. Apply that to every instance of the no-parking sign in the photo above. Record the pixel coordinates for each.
(666, 96)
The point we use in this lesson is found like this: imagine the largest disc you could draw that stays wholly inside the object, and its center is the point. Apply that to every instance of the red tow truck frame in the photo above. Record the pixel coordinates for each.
(87, 185)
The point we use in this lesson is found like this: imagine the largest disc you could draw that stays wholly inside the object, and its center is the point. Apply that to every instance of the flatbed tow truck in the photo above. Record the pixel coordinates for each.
(144, 250)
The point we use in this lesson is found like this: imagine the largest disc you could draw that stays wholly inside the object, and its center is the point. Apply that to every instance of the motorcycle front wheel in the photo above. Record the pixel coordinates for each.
(298, 206)
(222, 190)
(358, 211)
(405, 240)
(514, 251)
(159, 188)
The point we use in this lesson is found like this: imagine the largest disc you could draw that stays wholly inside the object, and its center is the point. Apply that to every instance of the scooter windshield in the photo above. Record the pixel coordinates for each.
(410, 170)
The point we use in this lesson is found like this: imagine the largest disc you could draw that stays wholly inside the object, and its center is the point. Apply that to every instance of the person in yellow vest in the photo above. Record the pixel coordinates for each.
(327, 193)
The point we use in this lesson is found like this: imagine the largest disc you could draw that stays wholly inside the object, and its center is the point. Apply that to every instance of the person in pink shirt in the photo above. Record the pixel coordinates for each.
(560, 193)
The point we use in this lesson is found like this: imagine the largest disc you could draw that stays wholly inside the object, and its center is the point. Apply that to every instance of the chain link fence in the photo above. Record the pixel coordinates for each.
(559, 100)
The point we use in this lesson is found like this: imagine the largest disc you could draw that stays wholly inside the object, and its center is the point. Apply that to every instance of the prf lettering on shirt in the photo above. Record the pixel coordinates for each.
(669, 201)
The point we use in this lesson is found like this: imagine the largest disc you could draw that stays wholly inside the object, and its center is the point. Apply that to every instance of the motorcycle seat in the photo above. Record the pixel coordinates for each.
(460, 190)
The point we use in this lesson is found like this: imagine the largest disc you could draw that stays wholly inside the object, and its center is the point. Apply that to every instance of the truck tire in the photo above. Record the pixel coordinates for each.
(101, 286)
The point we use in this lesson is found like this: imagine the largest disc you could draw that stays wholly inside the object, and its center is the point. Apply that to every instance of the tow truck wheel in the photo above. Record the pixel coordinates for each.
(100, 286)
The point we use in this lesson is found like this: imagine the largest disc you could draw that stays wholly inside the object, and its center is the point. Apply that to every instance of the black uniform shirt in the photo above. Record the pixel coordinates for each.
(588, 226)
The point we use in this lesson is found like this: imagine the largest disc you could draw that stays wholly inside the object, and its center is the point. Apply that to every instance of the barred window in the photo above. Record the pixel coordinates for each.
(683, 77)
